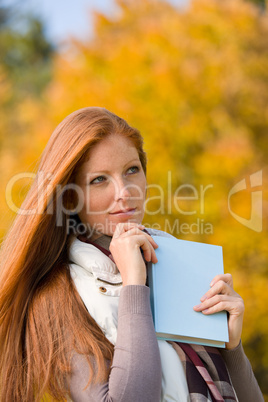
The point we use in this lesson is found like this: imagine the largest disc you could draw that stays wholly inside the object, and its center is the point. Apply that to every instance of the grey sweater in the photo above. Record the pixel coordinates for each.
(136, 367)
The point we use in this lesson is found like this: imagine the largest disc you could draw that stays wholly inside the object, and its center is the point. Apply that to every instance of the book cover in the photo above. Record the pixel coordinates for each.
(177, 281)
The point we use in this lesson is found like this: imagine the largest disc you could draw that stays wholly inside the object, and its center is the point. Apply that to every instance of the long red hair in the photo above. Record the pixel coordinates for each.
(42, 317)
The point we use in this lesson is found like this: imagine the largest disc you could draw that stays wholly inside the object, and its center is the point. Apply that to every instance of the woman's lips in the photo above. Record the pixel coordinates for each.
(129, 211)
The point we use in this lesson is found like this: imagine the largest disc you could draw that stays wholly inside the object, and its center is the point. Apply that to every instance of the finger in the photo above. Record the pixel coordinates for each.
(148, 252)
(125, 231)
(220, 287)
(208, 303)
(233, 304)
(233, 310)
(125, 227)
(137, 231)
(222, 277)
(140, 239)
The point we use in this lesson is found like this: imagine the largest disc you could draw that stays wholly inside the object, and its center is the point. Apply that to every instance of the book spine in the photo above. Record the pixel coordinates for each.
(151, 286)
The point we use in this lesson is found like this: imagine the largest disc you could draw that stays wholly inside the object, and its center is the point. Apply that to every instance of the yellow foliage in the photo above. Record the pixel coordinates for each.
(195, 82)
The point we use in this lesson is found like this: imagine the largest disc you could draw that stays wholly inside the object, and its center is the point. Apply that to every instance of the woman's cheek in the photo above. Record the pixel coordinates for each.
(99, 203)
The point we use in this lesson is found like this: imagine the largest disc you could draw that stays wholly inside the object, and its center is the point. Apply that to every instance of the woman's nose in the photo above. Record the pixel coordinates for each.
(122, 190)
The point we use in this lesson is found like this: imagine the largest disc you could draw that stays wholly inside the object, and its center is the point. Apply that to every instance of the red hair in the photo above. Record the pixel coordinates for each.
(42, 317)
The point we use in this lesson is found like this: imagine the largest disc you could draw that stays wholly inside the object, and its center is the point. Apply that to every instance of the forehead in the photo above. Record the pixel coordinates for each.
(114, 150)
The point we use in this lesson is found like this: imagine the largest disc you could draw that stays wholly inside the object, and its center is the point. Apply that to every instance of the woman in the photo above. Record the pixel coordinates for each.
(75, 319)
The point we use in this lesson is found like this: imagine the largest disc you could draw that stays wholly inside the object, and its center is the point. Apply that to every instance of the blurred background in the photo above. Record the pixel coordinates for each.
(192, 76)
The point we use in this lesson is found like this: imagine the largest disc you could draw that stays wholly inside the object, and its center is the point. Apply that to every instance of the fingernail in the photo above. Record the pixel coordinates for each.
(203, 298)
(211, 284)
(204, 311)
(197, 306)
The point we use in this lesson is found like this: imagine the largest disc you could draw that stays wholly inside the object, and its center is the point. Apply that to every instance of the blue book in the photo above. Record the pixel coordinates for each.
(177, 281)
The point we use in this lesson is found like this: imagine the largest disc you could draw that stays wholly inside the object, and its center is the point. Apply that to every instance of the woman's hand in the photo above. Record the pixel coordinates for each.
(221, 296)
(126, 245)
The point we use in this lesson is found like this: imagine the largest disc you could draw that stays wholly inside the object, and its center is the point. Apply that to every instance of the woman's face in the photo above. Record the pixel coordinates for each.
(113, 184)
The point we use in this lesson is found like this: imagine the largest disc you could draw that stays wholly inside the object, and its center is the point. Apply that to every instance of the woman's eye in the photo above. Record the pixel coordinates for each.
(133, 169)
(99, 179)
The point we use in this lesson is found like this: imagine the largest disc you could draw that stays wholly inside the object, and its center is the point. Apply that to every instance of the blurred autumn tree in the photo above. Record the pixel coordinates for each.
(261, 3)
(25, 70)
(195, 82)
(25, 53)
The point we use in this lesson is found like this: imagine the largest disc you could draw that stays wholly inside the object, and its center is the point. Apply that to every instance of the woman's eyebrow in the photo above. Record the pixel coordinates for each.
(133, 160)
(106, 171)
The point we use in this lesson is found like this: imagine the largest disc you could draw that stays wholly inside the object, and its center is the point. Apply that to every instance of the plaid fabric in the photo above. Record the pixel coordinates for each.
(206, 373)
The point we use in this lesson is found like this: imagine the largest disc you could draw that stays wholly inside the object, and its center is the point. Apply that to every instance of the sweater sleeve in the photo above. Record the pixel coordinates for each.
(242, 376)
(136, 367)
